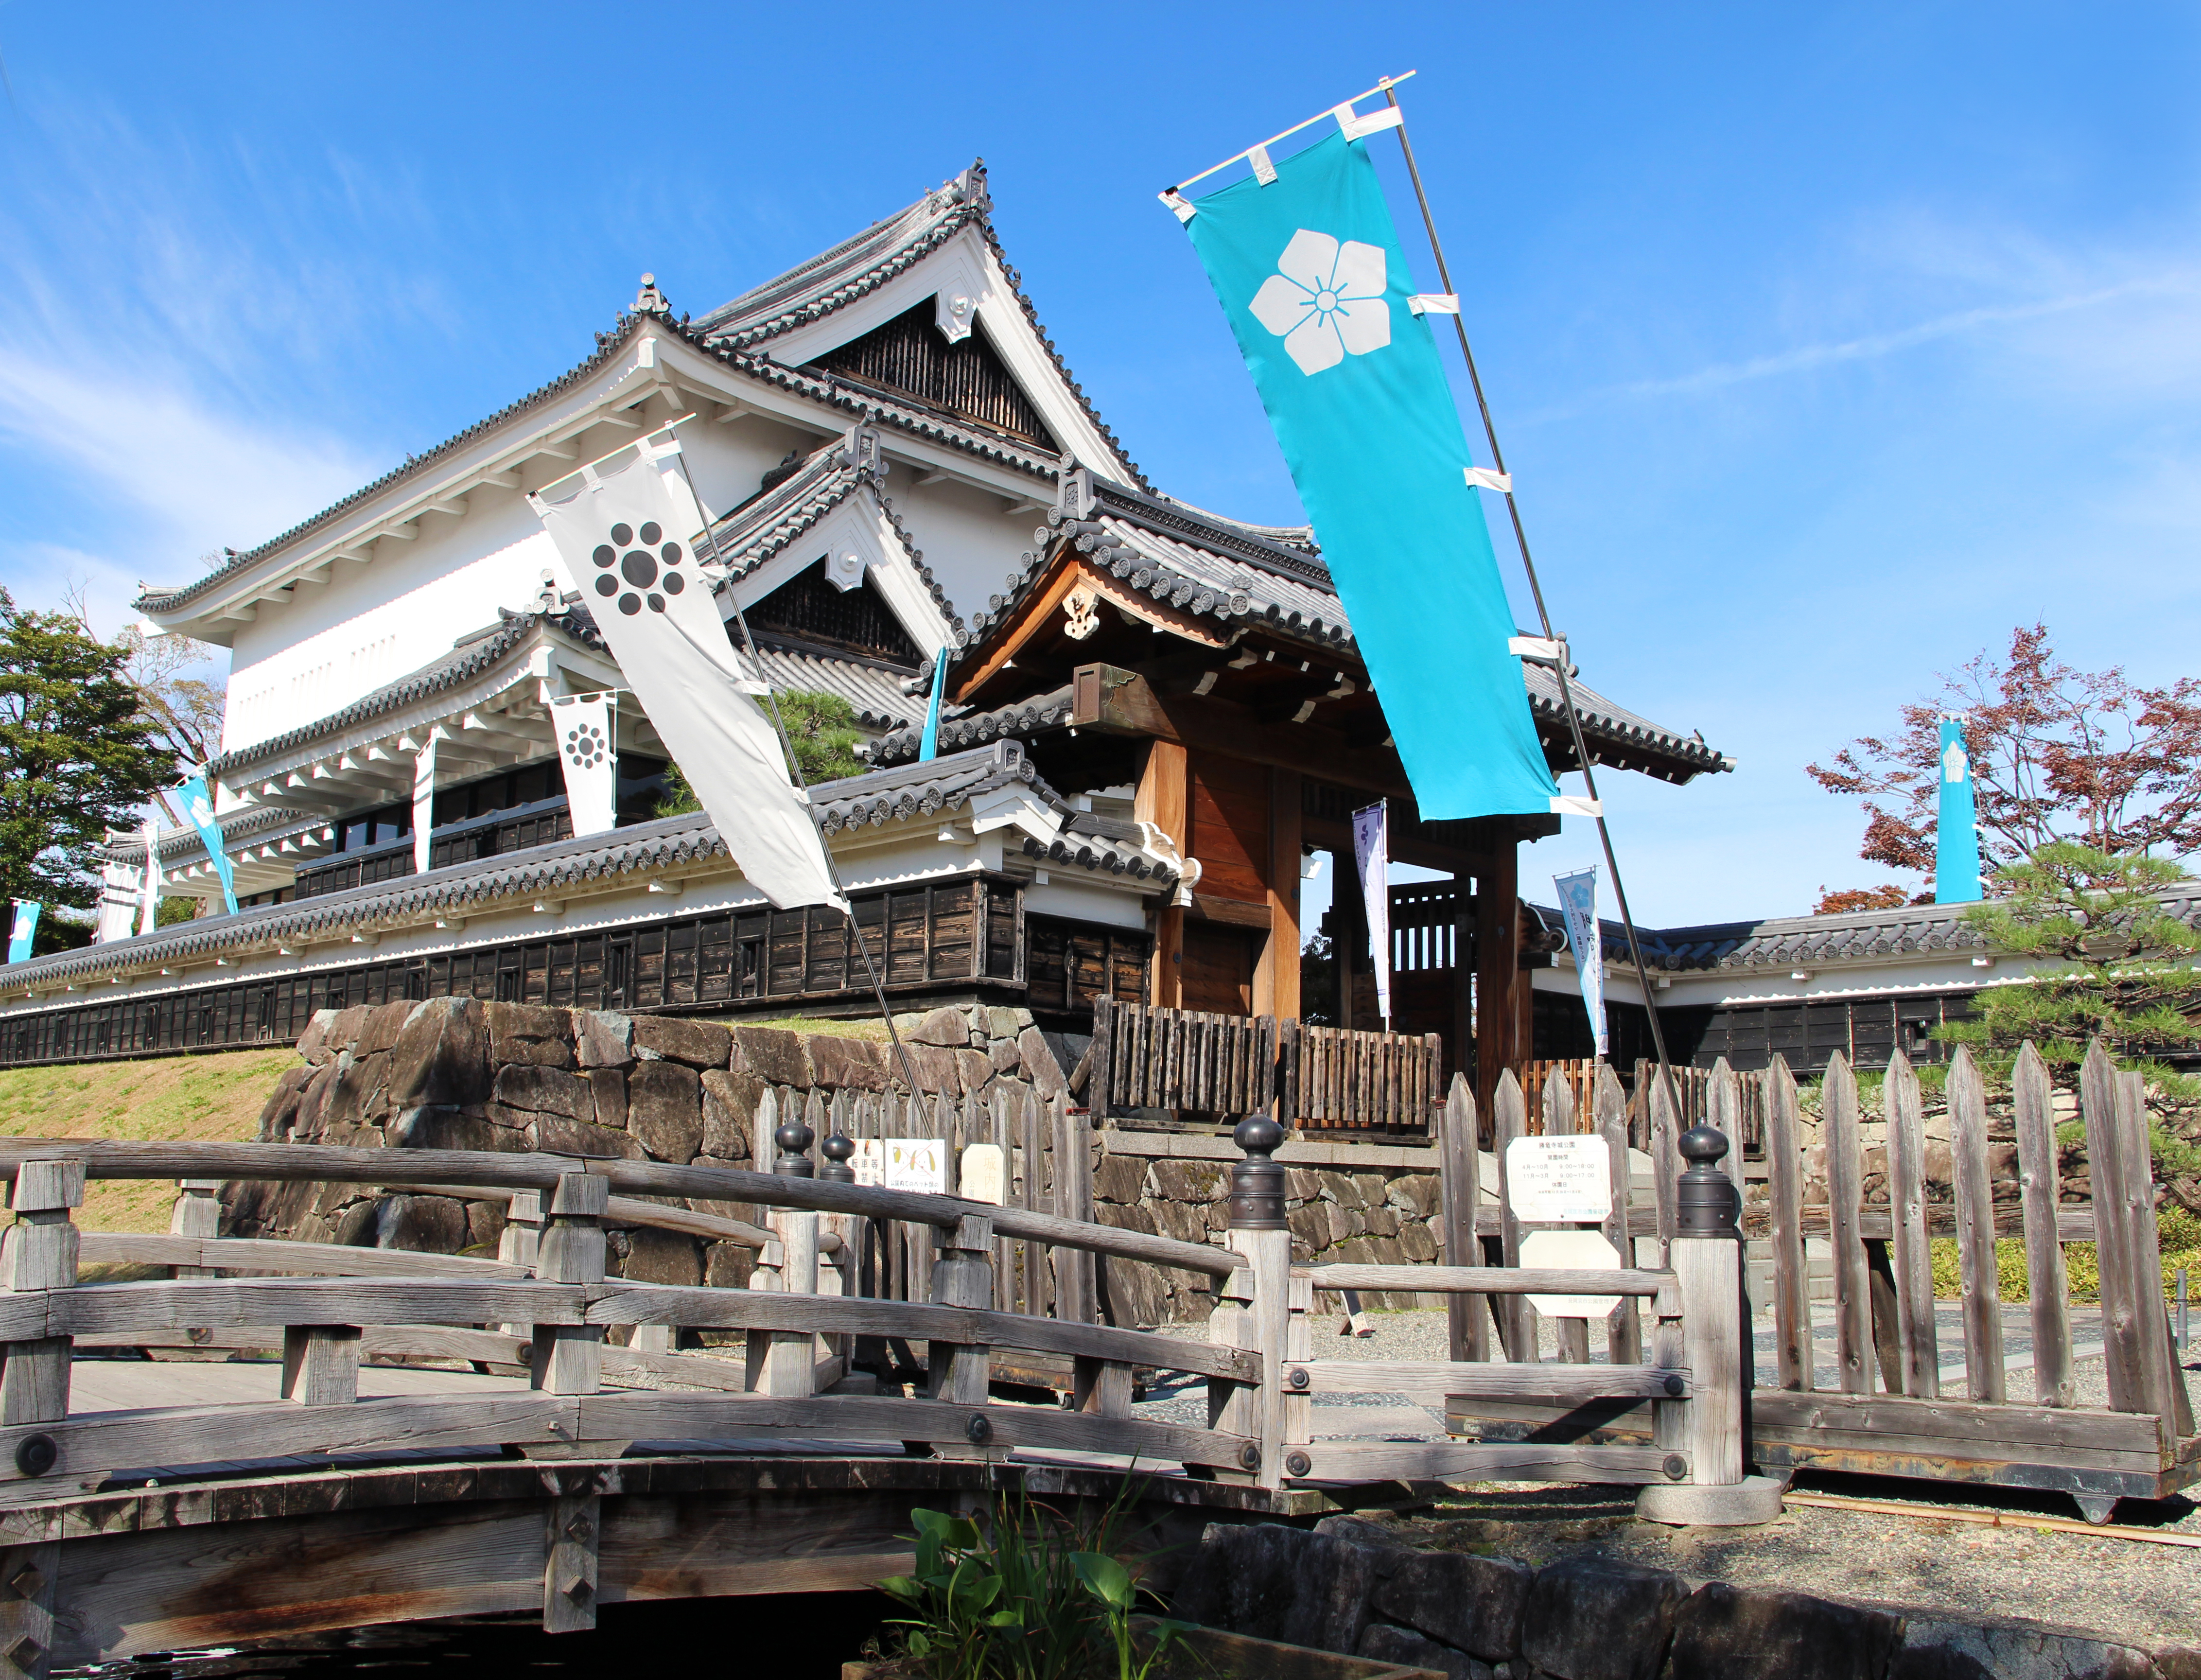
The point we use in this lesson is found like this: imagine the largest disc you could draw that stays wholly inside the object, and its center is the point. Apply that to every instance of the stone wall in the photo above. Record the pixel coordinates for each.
(1348, 1586)
(456, 1073)
(1349, 1203)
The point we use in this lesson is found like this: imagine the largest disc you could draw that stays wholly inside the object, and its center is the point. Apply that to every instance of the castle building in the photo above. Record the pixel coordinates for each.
(1156, 715)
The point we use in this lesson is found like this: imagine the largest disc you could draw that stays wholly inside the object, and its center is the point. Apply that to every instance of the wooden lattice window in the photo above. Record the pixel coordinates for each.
(807, 608)
(912, 355)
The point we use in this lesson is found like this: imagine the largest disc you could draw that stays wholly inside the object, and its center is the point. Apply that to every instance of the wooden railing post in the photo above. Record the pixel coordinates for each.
(197, 1213)
(39, 1252)
(1707, 1265)
(782, 1362)
(961, 1373)
(569, 1358)
(1259, 1232)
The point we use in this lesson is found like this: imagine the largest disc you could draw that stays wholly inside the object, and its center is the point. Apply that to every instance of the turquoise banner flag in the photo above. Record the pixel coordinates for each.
(22, 928)
(929, 747)
(1309, 271)
(1957, 845)
(198, 805)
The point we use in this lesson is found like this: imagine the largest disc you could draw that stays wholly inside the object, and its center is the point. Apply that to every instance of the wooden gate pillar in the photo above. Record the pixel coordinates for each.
(1707, 1263)
(1164, 799)
(1499, 984)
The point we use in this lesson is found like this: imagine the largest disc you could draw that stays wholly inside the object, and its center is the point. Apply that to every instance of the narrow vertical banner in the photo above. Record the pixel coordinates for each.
(588, 755)
(1586, 939)
(625, 527)
(198, 805)
(1956, 843)
(22, 928)
(1308, 267)
(149, 905)
(120, 885)
(1372, 850)
(929, 747)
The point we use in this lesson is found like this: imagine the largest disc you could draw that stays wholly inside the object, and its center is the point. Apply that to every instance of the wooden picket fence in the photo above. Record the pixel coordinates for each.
(1192, 1061)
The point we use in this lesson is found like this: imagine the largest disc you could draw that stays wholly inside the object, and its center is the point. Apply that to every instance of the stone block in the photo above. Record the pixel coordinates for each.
(360, 1093)
(662, 1257)
(603, 1038)
(775, 1055)
(1275, 1582)
(1005, 1056)
(1048, 1077)
(1119, 1178)
(442, 1127)
(673, 1038)
(1310, 1229)
(1936, 1646)
(727, 1265)
(1187, 1222)
(848, 1064)
(545, 1091)
(665, 1110)
(484, 1228)
(730, 1106)
(1338, 1187)
(281, 1108)
(946, 1027)
(1003, 1023)
(553, 1134)
(1381, 1222)
(1417, 1244)
(426, 1224)
(383, 1022)
(1472, 1603)
(608, 1087)
(1385, 1643)
(354, 1227)
(1372, 1187)
(441, 1055)
(1589, 1619)
(314, 1042)
(1722, 1632)
(1200, 1181)
(1301, 1184)
(344, 1030)
(933, 1065)
(974, 1069)
(1416, 1193)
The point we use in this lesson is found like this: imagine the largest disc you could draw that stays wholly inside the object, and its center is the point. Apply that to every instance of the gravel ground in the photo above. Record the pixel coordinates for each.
(2150, 1593)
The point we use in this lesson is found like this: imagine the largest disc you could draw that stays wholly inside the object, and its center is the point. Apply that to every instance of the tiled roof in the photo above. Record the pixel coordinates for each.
(608, 346)
(473, 654)
(858, 266)
(876, 797)
(874, 691)
(1611, 729)
(763, 526)
(976, 729)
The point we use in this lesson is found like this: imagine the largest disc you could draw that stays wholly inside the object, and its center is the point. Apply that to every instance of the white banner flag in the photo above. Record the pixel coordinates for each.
(583, 724)
(615, 529)
(1372, 850)
(1586, 939)
(148, 902)
(119, 886)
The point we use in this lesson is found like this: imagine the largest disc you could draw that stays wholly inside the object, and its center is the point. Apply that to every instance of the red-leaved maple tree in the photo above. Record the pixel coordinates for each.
(2058, 753)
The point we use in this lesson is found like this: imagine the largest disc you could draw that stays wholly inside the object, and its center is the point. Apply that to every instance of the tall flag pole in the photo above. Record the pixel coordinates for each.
(929, 747)
(1371, 851)
(1586, 939)
(1956, 839)
(198, 805)
(1347, 314)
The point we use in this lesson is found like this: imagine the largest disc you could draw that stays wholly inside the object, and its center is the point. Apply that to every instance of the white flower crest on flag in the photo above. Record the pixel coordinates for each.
(1325, 300)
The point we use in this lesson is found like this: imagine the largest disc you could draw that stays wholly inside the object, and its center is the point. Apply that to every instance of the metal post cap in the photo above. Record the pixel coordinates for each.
(792, 1140)
(1706, 1202)
(837, 1149)
(1257, 1184)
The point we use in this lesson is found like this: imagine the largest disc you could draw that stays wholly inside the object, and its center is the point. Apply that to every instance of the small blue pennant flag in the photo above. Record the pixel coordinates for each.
(1311, 275)
(929, 747)
(22, 928)
(1586, 939)
(198, 805)
(1956, 843)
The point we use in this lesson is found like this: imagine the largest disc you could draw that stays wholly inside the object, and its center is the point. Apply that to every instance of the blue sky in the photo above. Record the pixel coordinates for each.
(1826, 343)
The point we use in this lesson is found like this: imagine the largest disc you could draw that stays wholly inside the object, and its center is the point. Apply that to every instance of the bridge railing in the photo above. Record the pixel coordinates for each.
(547, 1304)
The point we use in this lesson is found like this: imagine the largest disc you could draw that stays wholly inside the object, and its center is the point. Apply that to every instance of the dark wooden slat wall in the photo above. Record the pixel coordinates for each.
(971, 927)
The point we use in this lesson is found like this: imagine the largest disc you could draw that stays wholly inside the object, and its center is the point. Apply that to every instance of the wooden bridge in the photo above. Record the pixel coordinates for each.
(158, 1505)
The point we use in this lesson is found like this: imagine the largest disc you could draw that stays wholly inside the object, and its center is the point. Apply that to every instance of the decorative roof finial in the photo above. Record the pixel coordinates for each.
(649, 300)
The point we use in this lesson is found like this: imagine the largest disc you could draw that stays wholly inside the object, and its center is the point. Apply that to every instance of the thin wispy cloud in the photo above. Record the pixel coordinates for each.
(1806, 358)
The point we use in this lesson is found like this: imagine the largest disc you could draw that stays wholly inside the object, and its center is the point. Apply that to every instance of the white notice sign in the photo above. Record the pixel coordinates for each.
(869, 1163)
(916, 1163)
(1559, 1180)
(1574, 1251)
(981, 1174)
